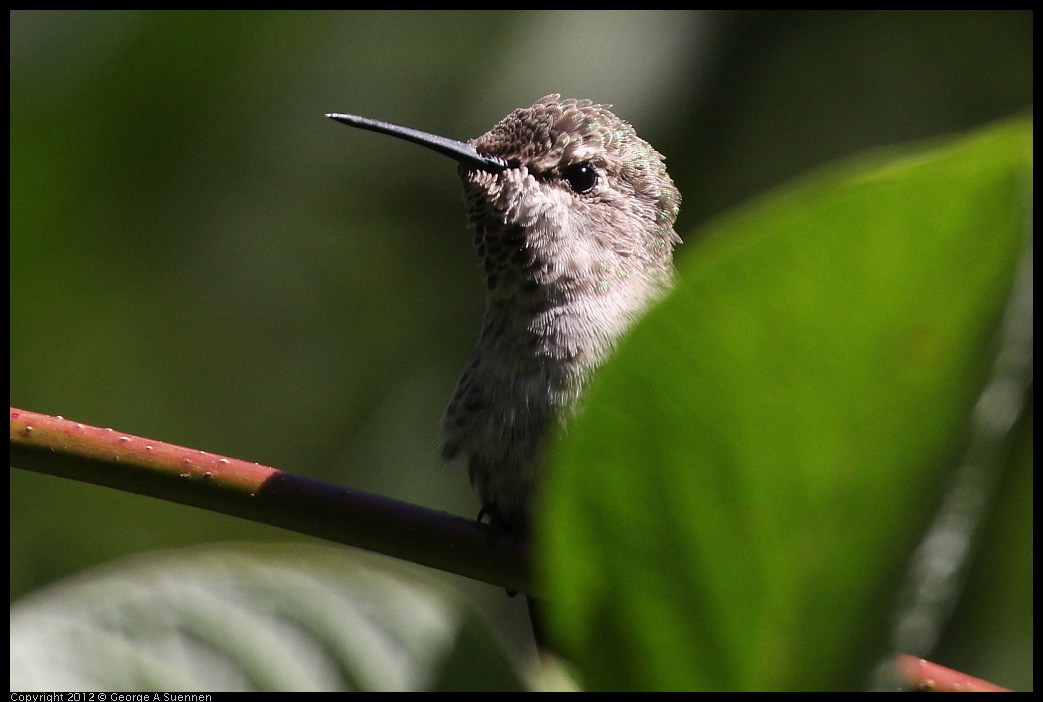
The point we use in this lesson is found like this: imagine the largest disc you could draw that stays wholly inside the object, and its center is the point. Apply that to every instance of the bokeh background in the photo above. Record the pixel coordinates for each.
(198, 256)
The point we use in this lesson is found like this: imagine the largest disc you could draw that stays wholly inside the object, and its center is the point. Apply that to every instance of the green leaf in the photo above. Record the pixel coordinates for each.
(247, 619)
(736, 505)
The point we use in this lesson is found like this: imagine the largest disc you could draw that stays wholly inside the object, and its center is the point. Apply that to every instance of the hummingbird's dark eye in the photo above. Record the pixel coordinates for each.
(581, 177)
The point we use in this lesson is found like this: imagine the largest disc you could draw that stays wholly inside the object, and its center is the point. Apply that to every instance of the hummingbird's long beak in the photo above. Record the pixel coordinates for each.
(456, 150)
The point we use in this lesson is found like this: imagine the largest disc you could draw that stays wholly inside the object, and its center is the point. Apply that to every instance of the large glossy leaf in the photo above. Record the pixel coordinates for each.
(737, 503)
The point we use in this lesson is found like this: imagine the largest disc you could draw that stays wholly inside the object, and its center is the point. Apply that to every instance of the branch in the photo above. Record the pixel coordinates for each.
(930, 677)
(67, 449)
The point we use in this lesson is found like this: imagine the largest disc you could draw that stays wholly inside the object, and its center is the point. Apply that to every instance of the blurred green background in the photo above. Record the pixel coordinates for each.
(198, 256)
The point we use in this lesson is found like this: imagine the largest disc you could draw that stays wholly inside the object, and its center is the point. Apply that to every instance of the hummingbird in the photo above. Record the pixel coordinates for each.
(573, 219)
